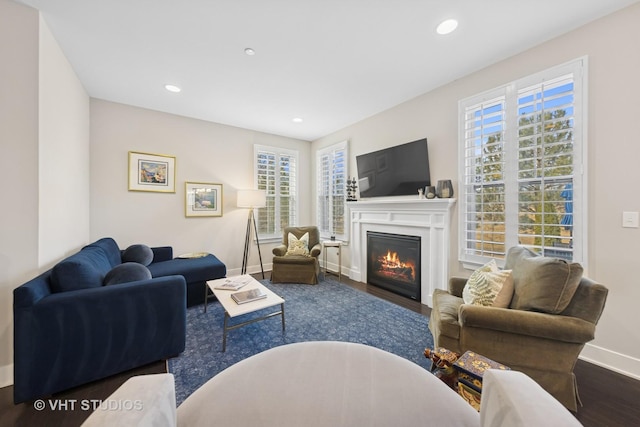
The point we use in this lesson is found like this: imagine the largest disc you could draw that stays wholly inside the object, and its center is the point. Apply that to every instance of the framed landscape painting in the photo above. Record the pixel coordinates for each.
(203, 199)
(152, 172)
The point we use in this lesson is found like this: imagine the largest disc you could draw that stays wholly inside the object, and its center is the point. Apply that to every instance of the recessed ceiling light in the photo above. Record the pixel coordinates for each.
(447, 26)
(249, 51)
(297, 120)
(172, 88)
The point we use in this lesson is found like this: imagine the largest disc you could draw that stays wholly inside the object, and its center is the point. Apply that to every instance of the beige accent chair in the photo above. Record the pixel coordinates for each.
(297, 268)
(553, 313)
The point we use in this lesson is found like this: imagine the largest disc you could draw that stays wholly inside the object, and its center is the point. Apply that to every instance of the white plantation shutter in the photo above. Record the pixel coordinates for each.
(546, 166)
(288, 201)
(521, 167)
(483, 185)
(331, 190)
(276, 172)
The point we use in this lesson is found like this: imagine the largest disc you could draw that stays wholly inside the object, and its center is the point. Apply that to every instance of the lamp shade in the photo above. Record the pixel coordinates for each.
(252, 198)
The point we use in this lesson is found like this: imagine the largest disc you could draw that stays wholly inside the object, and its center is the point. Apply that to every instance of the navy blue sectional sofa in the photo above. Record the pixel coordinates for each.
(93, 315)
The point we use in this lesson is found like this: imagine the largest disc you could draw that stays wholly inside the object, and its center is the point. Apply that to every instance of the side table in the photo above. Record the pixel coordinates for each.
(332, 244)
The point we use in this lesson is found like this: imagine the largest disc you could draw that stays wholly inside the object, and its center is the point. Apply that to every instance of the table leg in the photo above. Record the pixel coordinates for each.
(339, 264)
(282, 313)
(224, 331)
(324, 258)
(206, 296)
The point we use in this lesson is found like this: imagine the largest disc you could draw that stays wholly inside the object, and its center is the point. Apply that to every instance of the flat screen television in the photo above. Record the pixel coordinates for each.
(395, 171)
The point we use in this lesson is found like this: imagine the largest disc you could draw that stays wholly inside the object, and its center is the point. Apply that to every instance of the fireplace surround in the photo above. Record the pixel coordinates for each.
(429, 219)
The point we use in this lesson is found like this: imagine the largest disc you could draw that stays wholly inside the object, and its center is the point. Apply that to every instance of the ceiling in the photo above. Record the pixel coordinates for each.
(331, 63)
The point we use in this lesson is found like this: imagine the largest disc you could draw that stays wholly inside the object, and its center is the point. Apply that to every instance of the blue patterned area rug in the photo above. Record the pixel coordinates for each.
(329, 311)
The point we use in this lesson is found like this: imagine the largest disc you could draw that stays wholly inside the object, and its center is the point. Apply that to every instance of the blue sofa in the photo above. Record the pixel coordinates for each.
(70, 328)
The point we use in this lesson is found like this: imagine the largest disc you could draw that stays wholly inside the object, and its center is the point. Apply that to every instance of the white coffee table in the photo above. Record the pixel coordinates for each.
(232, 309)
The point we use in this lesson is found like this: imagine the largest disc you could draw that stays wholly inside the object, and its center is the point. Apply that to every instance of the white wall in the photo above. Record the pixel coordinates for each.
(613, 150)
(44, 135)
(205, 152)
(63, 154)
(18, 164)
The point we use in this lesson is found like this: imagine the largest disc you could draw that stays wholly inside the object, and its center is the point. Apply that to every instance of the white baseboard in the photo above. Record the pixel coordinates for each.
(617, 362)
(6, 375)
(251, 269)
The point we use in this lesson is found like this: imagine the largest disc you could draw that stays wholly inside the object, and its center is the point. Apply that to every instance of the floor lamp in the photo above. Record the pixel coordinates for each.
(251, 199)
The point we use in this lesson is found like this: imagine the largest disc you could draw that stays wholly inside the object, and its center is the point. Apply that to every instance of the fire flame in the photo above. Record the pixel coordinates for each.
(391, 262)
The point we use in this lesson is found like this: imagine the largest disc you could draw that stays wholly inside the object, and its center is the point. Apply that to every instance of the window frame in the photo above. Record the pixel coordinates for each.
(511, 93)
(320, 185)
(278, 226)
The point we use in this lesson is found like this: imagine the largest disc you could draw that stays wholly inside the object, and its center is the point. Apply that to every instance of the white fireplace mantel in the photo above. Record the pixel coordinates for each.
(430, 219)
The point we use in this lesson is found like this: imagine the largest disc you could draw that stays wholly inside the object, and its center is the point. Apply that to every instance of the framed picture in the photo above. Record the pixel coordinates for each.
(202, 199)
(152, 172)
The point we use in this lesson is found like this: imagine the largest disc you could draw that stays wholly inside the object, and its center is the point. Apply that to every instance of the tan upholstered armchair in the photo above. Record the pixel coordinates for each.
(553, 313)
(295, 262)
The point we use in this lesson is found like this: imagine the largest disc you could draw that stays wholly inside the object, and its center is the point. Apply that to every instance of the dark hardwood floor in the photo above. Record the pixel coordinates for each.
(609, 398)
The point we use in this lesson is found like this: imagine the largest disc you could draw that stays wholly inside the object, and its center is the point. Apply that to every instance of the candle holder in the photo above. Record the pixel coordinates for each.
(351, 189)
(444, 190)
(430, 192)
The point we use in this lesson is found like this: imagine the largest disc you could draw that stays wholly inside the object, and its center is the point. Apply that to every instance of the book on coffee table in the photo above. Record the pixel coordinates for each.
(234, 283)
(248, 296)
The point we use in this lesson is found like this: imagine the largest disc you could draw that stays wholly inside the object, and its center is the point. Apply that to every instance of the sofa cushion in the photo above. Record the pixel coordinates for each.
(142, 254)
(505, 295)
(82, 270)
(193, 269)
(542, 283)
(486, 284)
(110, 248)
(126, 272)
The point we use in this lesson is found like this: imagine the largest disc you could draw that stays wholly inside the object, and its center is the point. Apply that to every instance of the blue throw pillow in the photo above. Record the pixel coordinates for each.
(142, 254)
(126, 272)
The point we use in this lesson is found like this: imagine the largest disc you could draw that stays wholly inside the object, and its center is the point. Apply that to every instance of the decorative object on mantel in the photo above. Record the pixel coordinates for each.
(430, 192)
(351, 189)
(444, 189)
(420, 193)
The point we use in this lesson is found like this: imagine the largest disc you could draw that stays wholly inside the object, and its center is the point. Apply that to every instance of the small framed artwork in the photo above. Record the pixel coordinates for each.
(152, 172)
(203, 199)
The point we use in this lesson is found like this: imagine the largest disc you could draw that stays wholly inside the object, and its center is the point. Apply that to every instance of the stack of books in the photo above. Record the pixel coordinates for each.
(244, 297)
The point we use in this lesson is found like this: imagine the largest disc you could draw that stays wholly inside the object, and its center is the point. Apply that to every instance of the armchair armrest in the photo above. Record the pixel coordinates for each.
(315, 250)
(456, 285)
(543, 325)
(279, 250)
(511, 398)
(162, 253)
(152, 398)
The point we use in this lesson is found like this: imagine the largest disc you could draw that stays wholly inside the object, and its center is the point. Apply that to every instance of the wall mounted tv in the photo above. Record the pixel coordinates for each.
(395, 171)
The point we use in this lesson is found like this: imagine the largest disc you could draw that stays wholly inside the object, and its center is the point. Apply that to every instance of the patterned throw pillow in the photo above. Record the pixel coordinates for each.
(489, 286)
(298, 246)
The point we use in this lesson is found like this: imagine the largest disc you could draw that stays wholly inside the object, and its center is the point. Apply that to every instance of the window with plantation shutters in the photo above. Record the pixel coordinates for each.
(521, 166)
(276, 173)
(484, 177)
(331, 163)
